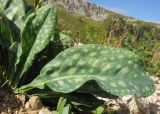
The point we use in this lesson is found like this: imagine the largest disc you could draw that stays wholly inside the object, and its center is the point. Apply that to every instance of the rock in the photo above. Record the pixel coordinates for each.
(33, 112)
(82, 8)
(16, 104)
(117, 107)
(21, 99)
(126, 99)
(4, 113)
(35, 103)
(27, 106)
(45, 111)
(21, 111)
(139, 105)
(155, 79)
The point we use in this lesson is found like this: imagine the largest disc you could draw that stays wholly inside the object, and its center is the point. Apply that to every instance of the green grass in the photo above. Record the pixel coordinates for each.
(75, 24)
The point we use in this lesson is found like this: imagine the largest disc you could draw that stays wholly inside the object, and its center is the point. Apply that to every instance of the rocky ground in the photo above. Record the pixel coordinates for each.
(18, 104)
(11, 104)
(137, 105)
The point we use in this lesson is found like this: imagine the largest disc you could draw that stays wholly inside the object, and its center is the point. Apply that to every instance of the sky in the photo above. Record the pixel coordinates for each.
(146, 10)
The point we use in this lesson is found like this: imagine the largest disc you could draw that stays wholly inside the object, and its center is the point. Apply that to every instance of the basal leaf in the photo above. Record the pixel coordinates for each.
(15, 52)
(59, 43)
(83, 100)
(15, 10)
(117, 71)
(8, 35)
(38, 31)
(93, 88)
(65, 40)
(61, 106)
(32, 27)
(99, 110)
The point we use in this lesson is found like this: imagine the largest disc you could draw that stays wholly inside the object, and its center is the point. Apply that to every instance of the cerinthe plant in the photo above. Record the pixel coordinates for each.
(32, 65)
(116, 71)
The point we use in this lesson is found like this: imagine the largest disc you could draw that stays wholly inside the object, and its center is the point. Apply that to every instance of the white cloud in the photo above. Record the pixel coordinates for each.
(114, 9)
(117, 10)
(158, 22)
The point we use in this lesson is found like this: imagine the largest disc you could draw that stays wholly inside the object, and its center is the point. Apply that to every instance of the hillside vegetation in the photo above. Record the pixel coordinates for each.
(118, 31)
(115, 30)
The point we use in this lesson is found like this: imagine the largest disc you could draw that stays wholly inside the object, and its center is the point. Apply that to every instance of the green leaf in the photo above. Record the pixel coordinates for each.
(61, 103)
(65, 40)
(117, 71)
(60, 42)
(6, 26)
(93, 88)
(63, 107)
(99, 110)
(3, 55)
(84, 101)
(38, 30)
(35, 3)
(36, 27)
(9, 34)
(28, 36)
(15, 52)
(15, 10)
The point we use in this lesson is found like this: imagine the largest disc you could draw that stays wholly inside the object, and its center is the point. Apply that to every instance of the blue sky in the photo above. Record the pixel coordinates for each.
(147, 10)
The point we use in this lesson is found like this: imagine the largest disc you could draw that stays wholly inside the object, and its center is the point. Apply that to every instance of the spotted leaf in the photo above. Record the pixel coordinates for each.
(15, 52)
(44, 25)
(38, 30)
(15, 10)
(117, 71)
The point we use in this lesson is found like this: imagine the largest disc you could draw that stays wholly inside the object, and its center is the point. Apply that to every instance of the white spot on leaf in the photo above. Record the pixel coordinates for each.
(118, 66)
(124, 70)
(106, 67)
(122, 83)
(93, 54)
(78, 79)
(113, 84)
(121, 57)
(112, 58)
(60, 82)
(130, 62)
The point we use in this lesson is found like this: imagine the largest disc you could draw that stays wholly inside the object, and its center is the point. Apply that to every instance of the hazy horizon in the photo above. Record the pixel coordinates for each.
(140, 9)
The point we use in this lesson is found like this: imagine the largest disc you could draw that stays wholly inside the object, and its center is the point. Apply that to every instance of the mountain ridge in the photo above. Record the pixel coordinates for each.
(75, 18)
(83, 8)
(91, 10)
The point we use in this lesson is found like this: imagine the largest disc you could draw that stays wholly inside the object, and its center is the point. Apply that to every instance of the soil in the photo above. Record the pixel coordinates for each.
(16, 104)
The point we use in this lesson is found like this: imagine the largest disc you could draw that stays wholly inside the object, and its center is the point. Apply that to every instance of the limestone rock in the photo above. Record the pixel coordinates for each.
(82, 8)
(45, 111)
(35, 103)
(139, 105)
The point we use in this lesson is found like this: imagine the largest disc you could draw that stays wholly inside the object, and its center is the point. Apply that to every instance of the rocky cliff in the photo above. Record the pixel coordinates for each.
(83, 8)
